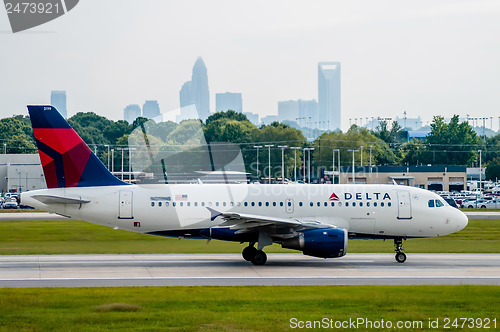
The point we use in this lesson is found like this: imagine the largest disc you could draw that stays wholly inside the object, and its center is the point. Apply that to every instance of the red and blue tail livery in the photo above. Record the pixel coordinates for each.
(66, 160)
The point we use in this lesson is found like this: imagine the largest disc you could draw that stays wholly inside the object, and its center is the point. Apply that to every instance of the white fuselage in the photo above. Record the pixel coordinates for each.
(364, 210)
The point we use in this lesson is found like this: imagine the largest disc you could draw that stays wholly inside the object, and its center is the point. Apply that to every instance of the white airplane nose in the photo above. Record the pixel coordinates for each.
(461, 220)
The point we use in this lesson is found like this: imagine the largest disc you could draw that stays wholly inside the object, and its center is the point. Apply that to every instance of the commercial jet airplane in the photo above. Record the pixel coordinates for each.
(315, 219)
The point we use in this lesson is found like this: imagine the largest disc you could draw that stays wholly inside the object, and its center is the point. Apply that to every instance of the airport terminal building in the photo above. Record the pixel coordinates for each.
(437, 178)
(21, 172)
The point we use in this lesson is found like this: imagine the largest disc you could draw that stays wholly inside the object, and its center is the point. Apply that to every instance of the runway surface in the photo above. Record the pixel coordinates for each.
(232, 270)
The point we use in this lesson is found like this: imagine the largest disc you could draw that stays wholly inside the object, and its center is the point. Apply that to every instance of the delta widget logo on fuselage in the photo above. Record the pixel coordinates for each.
(361, 196)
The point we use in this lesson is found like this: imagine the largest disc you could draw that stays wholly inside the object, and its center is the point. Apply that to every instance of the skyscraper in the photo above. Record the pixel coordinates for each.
(288, 110)
(196, 91)
(228, 101)
(329, 95)
(185, 94)
(131, 112)
(308, 114)
(58, 100)
(150, 109)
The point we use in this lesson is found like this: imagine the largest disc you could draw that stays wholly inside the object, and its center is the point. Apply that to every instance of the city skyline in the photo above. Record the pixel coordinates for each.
(426, 58)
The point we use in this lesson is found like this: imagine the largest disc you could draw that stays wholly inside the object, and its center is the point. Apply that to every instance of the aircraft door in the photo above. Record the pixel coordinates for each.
(289, 205)
(125, 205)
(404, 205)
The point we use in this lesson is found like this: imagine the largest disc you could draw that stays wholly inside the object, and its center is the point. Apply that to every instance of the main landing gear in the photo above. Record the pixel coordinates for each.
(251, 254)
(398, 247)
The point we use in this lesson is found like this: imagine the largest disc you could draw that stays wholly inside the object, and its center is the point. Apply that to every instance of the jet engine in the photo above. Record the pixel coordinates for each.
(323, 242)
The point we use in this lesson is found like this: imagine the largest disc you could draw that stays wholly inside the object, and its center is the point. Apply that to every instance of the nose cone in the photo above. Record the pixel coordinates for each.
(460, 220)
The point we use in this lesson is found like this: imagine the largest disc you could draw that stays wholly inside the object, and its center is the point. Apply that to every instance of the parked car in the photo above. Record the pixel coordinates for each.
(472, 204)
(450, 201)
(490, 204)
(10, 203)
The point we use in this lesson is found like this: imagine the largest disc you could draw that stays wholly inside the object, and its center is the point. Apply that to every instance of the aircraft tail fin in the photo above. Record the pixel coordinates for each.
(66, 160)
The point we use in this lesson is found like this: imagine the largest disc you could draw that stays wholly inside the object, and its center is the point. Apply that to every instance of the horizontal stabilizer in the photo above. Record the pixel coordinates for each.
(50, 199)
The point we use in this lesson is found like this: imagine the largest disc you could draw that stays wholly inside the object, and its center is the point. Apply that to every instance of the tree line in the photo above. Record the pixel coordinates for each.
(452, 143)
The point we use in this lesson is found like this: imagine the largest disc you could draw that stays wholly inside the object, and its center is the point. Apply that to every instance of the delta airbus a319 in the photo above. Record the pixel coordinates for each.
(317, 219)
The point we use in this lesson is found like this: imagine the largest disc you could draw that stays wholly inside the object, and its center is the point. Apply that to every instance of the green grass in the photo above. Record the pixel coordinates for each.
(78, 237)
(235, 308)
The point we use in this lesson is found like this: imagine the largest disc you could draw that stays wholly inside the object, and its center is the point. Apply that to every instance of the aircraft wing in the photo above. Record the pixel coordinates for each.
(51, 199)
(248, 222)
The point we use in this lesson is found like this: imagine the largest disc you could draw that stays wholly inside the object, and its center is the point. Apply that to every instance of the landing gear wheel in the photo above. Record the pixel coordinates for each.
(398, 247)
(248, 253)
(260, 258)
(400, 257)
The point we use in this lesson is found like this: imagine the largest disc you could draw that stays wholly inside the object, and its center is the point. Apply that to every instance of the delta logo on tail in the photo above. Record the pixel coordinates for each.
(334, 197)
(66, 160)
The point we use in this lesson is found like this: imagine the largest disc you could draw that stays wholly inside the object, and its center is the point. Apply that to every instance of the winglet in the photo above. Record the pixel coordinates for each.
(214, 213)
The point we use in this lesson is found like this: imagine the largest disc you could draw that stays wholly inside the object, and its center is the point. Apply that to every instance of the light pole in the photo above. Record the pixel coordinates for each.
(353, 173)
(107, 145)
(333, 164)
(122, 160)
(283, 147)
(361, 156)
(112, 160)
(480, 171)
(295, 148)
(130, 162)
(305, 164)
(268, 146)
(309, 164)
(257, 147)
(4, 148)
(371, 146)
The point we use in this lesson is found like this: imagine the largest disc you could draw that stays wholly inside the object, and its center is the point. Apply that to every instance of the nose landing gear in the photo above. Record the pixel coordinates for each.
(398, 247)
(251, 254)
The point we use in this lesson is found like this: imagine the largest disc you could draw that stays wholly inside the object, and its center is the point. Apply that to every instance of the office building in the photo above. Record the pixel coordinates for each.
(58, 100)
(252, 117)
(228, 101)
(150, 109)
(185, 95)
(267, 120)
(308, 115)
(131, 112)
(288, 110)
(196, 91)
(329, 95)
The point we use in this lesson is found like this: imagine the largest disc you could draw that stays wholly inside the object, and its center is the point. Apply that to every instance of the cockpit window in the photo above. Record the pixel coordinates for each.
(436, 203)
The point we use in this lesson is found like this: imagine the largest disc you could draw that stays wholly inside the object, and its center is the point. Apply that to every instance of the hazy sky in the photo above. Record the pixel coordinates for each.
(425, 57)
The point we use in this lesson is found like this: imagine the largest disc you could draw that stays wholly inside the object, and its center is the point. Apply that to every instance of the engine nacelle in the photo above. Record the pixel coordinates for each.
(323, 242)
